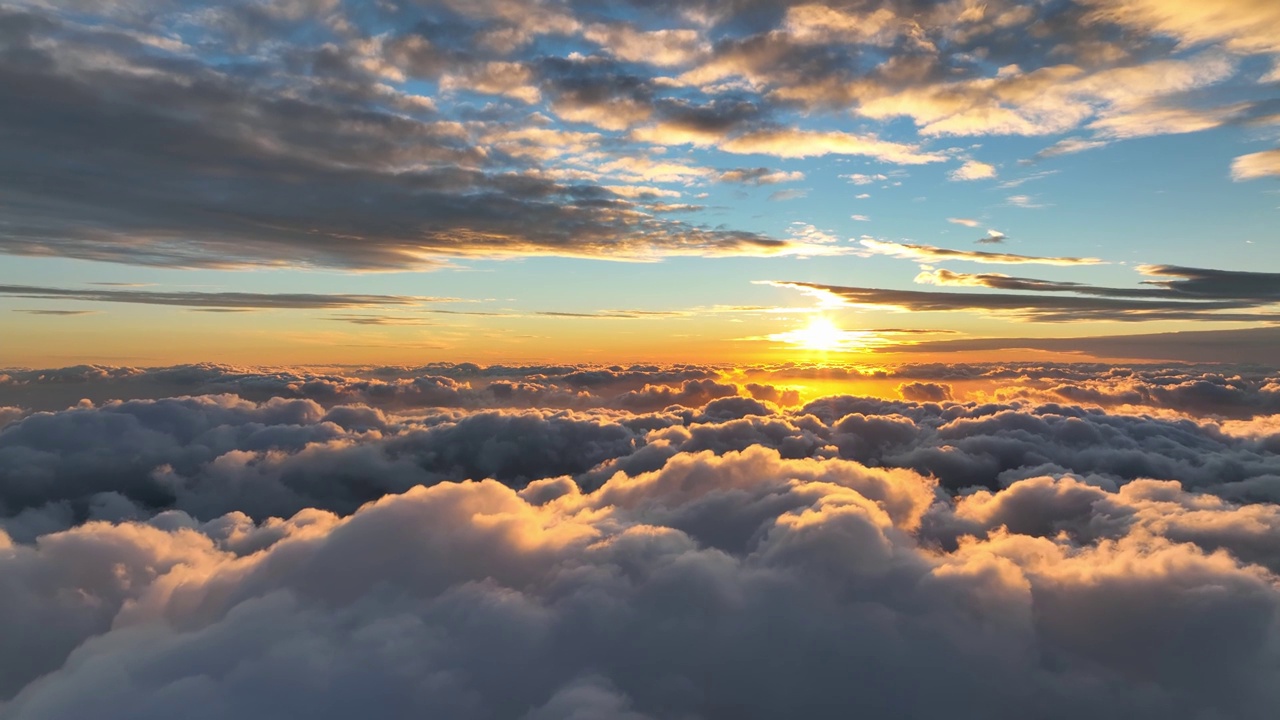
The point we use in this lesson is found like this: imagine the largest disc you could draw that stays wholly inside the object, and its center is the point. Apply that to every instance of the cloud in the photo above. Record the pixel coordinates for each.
(429, 188)
(1254, 345)
(965, 538)
(993, 237)
(617, 314)
(925, 392)
(930, 253)
(1203, 282)
(973, 170)
(1256, 165)
(435, 133)
(667, 47)
(494, 78)
(790, 194)
(1168, 121)
(794, 143)
(1023, 201)
(1246, 26)
(380, 320)
(1197, 294)
(865, 179)
(967, 222)
(219, 300)
(819, 24)
(1069, 146)
(9, 414)
(1018, 182)
(1192, 284)
(760, 176)
(811, 234)
(495, 580)
(1034, 308)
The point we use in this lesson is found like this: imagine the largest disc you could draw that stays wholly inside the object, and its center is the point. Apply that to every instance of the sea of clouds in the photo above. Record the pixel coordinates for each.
(994, 541)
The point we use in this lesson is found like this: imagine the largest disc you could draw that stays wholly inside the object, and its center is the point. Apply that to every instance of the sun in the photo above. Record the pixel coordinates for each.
(820, 334)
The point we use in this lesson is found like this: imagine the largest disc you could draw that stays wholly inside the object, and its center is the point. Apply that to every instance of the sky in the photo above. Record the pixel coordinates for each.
(319, 181)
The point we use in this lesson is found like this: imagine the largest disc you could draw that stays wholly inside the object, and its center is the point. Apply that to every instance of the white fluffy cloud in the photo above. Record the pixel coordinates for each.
(974, 170)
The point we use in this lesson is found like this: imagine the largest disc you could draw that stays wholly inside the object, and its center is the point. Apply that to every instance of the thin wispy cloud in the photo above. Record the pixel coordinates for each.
(1044, 309)
(220, 300)
(760, 176)
(1023, 201)
(930, 253)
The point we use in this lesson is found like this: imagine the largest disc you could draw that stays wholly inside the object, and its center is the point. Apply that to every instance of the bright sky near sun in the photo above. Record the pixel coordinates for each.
(689, 180)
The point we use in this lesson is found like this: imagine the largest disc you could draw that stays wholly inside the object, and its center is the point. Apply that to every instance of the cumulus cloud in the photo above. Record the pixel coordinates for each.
(973, 170)
(220, 556)
(667, 47)
(925, 392)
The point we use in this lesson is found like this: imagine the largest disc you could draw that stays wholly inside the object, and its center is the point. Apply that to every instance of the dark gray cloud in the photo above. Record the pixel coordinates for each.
(1201, 282)
(1192, 284)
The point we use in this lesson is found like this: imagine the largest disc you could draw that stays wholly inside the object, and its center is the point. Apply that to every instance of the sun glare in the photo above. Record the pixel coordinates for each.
(822, 335)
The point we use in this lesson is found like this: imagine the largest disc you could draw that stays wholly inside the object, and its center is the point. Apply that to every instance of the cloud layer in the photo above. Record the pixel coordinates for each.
(643, 542)
(427, 132)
